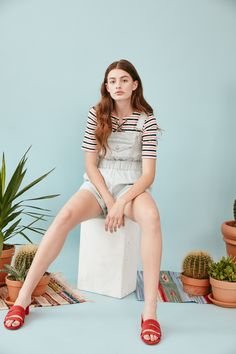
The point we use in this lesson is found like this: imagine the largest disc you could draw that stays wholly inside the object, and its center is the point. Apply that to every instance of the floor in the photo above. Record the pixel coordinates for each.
(112, 326)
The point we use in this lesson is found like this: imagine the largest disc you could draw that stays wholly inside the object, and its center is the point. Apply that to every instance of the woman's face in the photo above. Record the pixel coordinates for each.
(120, 84)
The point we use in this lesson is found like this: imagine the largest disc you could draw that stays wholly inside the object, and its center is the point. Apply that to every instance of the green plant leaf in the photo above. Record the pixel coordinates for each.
(36, 214)
(44, 197)
(22, 228)
(32, 184)
(1, 242)
(14, 207)
(39, 228)
(15, 178)
(34, 207)
(13, 185)
(10, 225)
(33, 216)
(24, 235)
(2, 177)
(11, 229)
(10, 218)
(34, 230)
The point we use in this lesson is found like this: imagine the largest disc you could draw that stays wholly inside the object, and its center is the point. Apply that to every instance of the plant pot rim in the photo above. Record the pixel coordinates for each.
(229, 222)
(223, 283)
(48, 274)
(8, 281)
(228, 229)
(228, 226)
(191, 281)
(228, 240)
(9, 246)
(220, 302)
(8, 252)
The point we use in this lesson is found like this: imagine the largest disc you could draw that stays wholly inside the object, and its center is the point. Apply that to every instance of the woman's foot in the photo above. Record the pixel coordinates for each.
(24, 303)
(148, 313)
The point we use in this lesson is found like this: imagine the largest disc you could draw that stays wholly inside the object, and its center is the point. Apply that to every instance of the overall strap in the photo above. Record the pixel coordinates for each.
(141, 121)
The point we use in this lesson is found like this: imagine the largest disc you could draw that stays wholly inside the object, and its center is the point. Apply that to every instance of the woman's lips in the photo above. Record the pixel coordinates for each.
(119, 93)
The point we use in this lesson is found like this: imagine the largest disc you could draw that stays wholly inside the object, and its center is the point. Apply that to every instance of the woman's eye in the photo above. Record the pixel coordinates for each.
(112, 82)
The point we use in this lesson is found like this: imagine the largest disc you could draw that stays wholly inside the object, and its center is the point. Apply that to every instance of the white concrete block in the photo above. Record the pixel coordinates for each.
(108, 261)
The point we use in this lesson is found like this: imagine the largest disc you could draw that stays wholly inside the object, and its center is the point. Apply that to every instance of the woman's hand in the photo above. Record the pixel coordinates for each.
(115, 216)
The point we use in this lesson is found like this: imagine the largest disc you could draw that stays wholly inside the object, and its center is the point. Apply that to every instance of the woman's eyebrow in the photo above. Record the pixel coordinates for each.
(120, 77)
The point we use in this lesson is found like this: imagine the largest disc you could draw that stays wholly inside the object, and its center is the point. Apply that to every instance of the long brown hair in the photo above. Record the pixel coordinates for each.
(105, 106)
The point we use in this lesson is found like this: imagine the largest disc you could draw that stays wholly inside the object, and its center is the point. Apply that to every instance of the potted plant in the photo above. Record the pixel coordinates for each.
(12, 210)
(194, 276)
(223, 282)
(18, 272)
(228, 230)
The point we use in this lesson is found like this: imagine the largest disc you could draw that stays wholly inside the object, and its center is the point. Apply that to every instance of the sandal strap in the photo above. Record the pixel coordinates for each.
(14, 318)
(151, 322)
(151, 326)
(16, 310)
(149, 341)
(149, 331)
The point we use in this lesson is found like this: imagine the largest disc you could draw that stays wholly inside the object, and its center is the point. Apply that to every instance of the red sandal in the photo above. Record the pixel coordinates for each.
(13, 314)
(150, 326)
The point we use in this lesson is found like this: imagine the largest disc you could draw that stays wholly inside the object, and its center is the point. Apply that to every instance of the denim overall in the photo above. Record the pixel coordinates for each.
(122, 164)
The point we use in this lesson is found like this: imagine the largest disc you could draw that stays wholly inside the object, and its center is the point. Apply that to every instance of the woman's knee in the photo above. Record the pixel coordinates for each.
(64, 217)
(150, 218)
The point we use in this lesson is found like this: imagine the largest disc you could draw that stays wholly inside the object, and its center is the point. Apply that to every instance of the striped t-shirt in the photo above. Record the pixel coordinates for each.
(149, 132)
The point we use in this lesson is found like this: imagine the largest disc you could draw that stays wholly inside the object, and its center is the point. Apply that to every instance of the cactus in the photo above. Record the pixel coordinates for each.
(22, 263)
(25, 256)
(196, 264)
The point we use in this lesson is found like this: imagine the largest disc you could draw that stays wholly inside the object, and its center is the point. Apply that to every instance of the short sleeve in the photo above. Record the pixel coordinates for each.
(149, 138)
(89, 141)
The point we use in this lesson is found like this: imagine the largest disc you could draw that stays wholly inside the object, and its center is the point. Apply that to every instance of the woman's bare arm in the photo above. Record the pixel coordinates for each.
(96, 177)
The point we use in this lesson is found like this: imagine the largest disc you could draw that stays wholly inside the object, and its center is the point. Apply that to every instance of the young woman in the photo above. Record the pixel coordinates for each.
(120, 156)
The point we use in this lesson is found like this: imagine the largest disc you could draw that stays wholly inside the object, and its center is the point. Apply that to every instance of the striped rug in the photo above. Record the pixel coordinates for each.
(170, 289)
(58, 292)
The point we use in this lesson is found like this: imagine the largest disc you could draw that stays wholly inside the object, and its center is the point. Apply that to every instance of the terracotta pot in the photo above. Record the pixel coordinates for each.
(230, 247)
(14, 287)
(224, 291)
(228, 230)
(196, 287)
(6, 258)
(42, 285)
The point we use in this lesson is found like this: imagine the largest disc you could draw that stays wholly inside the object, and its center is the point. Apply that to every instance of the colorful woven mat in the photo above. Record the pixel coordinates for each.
(58, 292)
(170, 289)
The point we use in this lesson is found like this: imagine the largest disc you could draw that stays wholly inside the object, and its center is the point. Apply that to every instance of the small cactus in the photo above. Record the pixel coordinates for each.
(25, 256)
(196, 264)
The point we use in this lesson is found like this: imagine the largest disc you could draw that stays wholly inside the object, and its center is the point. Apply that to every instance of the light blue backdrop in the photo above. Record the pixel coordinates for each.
(53, 58)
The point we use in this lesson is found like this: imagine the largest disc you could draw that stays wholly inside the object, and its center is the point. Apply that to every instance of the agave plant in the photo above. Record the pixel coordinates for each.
(14, 273)
(12, 210)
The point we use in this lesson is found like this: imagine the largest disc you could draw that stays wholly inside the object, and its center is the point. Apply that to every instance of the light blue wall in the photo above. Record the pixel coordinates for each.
(53, 55)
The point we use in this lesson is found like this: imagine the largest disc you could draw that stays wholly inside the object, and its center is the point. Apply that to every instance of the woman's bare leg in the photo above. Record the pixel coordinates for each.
(80, 207)
(151, 249)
